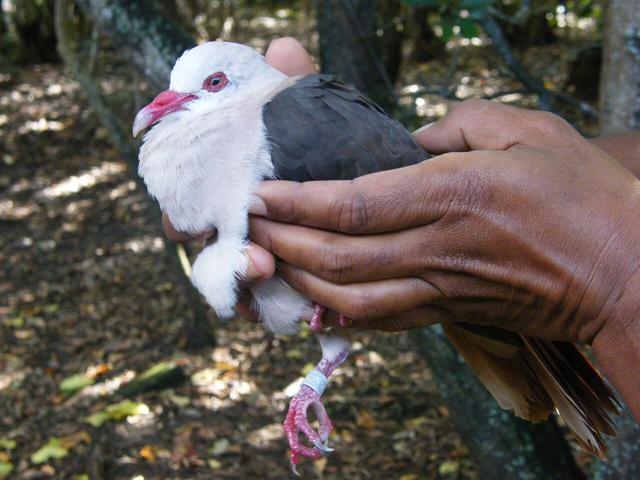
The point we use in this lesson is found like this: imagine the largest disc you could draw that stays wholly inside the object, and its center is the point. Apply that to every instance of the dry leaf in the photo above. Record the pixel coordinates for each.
(72, 440)
(149, 453)
(365, 420)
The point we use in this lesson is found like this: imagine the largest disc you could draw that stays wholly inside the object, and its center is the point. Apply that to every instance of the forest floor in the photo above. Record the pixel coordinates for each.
(88, 295)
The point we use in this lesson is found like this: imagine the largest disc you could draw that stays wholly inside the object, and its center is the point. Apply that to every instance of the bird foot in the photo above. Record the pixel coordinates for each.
(316, 324)
(297, 421)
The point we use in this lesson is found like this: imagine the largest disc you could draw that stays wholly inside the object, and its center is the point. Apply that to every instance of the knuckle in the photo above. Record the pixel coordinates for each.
(472, 188)
(335, 263)
(351, 214)
(358, 307)
(546, 124)
(473, 105)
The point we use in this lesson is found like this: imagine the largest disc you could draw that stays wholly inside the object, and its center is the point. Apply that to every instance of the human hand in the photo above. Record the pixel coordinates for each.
(290, 57)
(532, 229)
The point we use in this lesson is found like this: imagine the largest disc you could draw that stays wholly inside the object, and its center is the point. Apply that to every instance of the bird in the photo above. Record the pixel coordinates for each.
(230, 121)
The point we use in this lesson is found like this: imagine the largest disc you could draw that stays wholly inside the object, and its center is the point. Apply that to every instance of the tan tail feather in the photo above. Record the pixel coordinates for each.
(503, 371)
(539, 376)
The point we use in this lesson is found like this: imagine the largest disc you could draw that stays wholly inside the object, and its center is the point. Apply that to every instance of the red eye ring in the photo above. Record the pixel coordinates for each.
(215, 82)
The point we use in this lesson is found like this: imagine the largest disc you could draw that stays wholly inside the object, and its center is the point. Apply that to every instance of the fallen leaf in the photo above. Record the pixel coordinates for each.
(125, 408)
(220, 446)
(117, 411)
(98, 370)
(320, 464)
(51, 450)
(7, 444)
(307, 367)
(365, 420)
(149, 453)
(75, 383)
(294, 354)
(449, 467)
(97, 419)
(71, 441)
(5, 469)
(214, 464)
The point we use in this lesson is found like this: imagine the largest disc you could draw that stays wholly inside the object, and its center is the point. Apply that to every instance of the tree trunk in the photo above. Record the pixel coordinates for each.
(425, 45)
(502, 445)
(620, 75)
(141, 34)
(119, 17)
(350, 48)
(35, 34)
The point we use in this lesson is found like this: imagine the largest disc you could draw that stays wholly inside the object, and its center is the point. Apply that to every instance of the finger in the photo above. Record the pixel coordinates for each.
(177, 236)
(362, 301)
(170, 231)
(290, 57)
(380, 202)
(341, 258)
(262, 264)
(485, 125)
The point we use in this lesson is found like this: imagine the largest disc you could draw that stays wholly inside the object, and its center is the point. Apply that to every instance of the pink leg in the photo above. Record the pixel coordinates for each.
(297, 421)
(316, 320)
(344, 321)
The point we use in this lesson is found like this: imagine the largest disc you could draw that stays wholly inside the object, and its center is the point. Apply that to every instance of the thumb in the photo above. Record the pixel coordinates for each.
(476, 125)
(290, 57)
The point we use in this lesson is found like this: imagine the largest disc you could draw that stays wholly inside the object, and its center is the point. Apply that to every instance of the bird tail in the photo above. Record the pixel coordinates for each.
(533, 378)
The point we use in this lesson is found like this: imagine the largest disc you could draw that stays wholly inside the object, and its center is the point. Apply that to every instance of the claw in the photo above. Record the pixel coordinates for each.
(323, 447)
(294, 469)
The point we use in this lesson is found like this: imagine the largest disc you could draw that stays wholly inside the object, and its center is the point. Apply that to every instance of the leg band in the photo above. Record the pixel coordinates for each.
(316, 381)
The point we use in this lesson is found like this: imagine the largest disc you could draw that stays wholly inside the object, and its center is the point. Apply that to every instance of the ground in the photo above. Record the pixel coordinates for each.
(87, 291)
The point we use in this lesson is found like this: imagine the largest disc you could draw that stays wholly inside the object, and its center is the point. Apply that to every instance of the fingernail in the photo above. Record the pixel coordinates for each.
(423, 128)
(251, 273)
(258, 207)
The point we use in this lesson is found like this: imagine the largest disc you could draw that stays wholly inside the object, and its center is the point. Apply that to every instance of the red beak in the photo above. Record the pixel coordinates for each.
(167, 102)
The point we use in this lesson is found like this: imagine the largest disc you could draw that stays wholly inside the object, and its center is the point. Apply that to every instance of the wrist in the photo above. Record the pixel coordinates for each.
(616, 346)
(625, 148)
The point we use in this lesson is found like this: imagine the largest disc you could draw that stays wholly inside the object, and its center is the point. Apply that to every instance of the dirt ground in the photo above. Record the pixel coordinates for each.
(86, 290)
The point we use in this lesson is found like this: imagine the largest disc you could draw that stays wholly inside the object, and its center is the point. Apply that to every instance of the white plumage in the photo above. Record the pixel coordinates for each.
(203, 164)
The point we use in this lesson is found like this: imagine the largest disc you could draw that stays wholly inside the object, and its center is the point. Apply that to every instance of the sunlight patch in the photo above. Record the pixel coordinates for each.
(145, 244)
(87, 179)
(41, 125)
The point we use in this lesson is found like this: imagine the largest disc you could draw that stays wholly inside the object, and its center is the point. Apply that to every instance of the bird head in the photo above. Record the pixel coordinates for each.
(207, 77)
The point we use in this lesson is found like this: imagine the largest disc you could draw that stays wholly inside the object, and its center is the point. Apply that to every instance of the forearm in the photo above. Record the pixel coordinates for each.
(623, 147)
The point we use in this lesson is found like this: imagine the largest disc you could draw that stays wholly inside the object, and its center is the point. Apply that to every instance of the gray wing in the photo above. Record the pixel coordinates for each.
(322, 129)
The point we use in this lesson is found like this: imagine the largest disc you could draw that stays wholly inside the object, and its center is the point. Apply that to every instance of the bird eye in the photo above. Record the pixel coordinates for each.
(215, 82)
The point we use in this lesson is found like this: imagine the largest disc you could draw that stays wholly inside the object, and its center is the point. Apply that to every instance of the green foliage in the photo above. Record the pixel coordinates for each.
(7, 443)
(75, 383)
(51, 450)
(5, 469)
(458, 17)
(117, 411)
